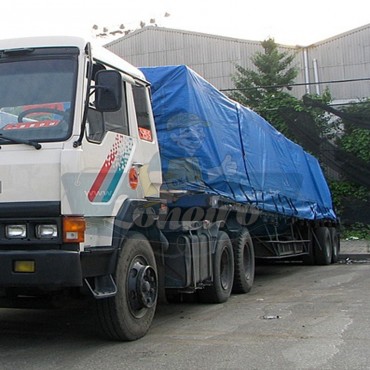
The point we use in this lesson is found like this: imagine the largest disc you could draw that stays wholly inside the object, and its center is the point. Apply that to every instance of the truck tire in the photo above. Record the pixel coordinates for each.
(223, 272)
(244, 264)
(335, 244)
(129, 314)
(323, 246)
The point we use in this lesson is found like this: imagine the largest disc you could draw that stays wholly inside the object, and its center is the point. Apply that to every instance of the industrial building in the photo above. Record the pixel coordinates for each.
(341, 63)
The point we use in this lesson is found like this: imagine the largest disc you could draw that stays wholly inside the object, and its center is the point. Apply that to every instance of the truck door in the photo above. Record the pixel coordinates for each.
(149, 165)
(118, 159)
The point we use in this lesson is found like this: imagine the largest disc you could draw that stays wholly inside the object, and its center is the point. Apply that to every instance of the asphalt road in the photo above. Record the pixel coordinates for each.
(295, 317)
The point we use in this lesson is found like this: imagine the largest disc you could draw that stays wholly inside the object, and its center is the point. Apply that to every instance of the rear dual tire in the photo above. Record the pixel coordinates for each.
(223, 272)
(326, 245)
(244, 263)
(335, 241)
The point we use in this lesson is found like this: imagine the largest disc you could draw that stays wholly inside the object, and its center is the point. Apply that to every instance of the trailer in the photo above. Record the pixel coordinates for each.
(134, 185)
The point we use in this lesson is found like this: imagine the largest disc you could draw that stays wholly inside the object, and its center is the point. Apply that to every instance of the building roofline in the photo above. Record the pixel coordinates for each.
(340, 35)
(227, 38)
(193, 33)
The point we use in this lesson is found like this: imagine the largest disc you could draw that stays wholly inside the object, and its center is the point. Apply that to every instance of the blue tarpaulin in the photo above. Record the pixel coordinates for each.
(211, 144)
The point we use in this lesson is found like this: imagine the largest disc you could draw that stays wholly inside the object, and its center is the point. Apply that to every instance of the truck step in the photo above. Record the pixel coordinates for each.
(104, 287)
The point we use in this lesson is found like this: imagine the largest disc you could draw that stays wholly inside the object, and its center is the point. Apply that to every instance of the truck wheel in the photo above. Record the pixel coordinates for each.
(223, 272)
(335, 244)
(129, 314)
(243, 263)
(323, 246)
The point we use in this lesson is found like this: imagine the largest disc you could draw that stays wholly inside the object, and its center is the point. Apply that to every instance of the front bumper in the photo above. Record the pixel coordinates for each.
(53, 269)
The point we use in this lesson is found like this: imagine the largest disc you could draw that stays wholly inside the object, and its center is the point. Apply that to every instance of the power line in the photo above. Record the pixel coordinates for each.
(299, 84)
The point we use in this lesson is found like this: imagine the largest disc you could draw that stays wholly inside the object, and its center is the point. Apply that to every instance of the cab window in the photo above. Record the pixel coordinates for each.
(142, 109)
(99, 123)
(37, 94)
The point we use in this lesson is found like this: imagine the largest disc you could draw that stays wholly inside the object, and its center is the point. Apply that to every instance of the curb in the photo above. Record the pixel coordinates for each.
(354, 256)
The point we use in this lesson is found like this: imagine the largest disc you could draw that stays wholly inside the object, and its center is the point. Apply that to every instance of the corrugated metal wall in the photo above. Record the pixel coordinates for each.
(211, 56)
(346, 56)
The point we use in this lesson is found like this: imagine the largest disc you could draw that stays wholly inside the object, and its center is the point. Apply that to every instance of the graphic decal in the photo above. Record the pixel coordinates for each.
(28, 125)
(112, 170)
(145, 134)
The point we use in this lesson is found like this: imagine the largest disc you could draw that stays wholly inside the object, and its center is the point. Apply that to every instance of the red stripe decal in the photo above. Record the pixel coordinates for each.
(101, 176)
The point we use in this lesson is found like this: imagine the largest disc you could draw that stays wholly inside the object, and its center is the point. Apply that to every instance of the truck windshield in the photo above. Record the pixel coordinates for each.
(36, 96)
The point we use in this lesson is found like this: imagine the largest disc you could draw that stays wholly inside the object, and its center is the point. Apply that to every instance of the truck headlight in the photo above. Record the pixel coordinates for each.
(16, 231)
(48, 231)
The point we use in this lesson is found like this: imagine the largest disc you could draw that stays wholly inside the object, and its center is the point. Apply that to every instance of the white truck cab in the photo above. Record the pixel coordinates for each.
(78, 148)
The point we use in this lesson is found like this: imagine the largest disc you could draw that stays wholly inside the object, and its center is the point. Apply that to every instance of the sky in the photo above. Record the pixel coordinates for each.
(289, 22)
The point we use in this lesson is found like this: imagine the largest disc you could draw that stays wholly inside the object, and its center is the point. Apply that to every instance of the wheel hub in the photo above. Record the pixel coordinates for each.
(142, 286)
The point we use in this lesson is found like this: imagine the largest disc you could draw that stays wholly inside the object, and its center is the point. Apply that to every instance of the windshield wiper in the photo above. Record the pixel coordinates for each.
(16, 52)
(14, 140)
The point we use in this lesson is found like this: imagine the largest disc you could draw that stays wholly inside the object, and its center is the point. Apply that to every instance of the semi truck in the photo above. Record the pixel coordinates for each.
(134, 185)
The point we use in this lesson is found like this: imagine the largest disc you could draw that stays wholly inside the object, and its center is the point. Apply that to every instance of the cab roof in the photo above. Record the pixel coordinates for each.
(99, 52)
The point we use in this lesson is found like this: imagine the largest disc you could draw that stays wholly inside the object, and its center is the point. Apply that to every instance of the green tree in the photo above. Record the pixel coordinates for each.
(265, 90)
(262, 89)
(307, 122)
(273, 73)
(355, 138)
(350, 151)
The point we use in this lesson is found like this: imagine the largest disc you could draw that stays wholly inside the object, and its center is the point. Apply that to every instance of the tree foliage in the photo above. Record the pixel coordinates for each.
(265, 90)
(355, 137)
(309, 122)
(262, 89)
(273, 73)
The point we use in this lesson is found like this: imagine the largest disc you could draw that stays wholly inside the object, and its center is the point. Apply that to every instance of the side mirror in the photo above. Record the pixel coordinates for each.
(108, 91)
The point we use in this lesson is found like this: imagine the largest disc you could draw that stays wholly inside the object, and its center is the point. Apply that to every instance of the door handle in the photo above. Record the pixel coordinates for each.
(137, 164)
